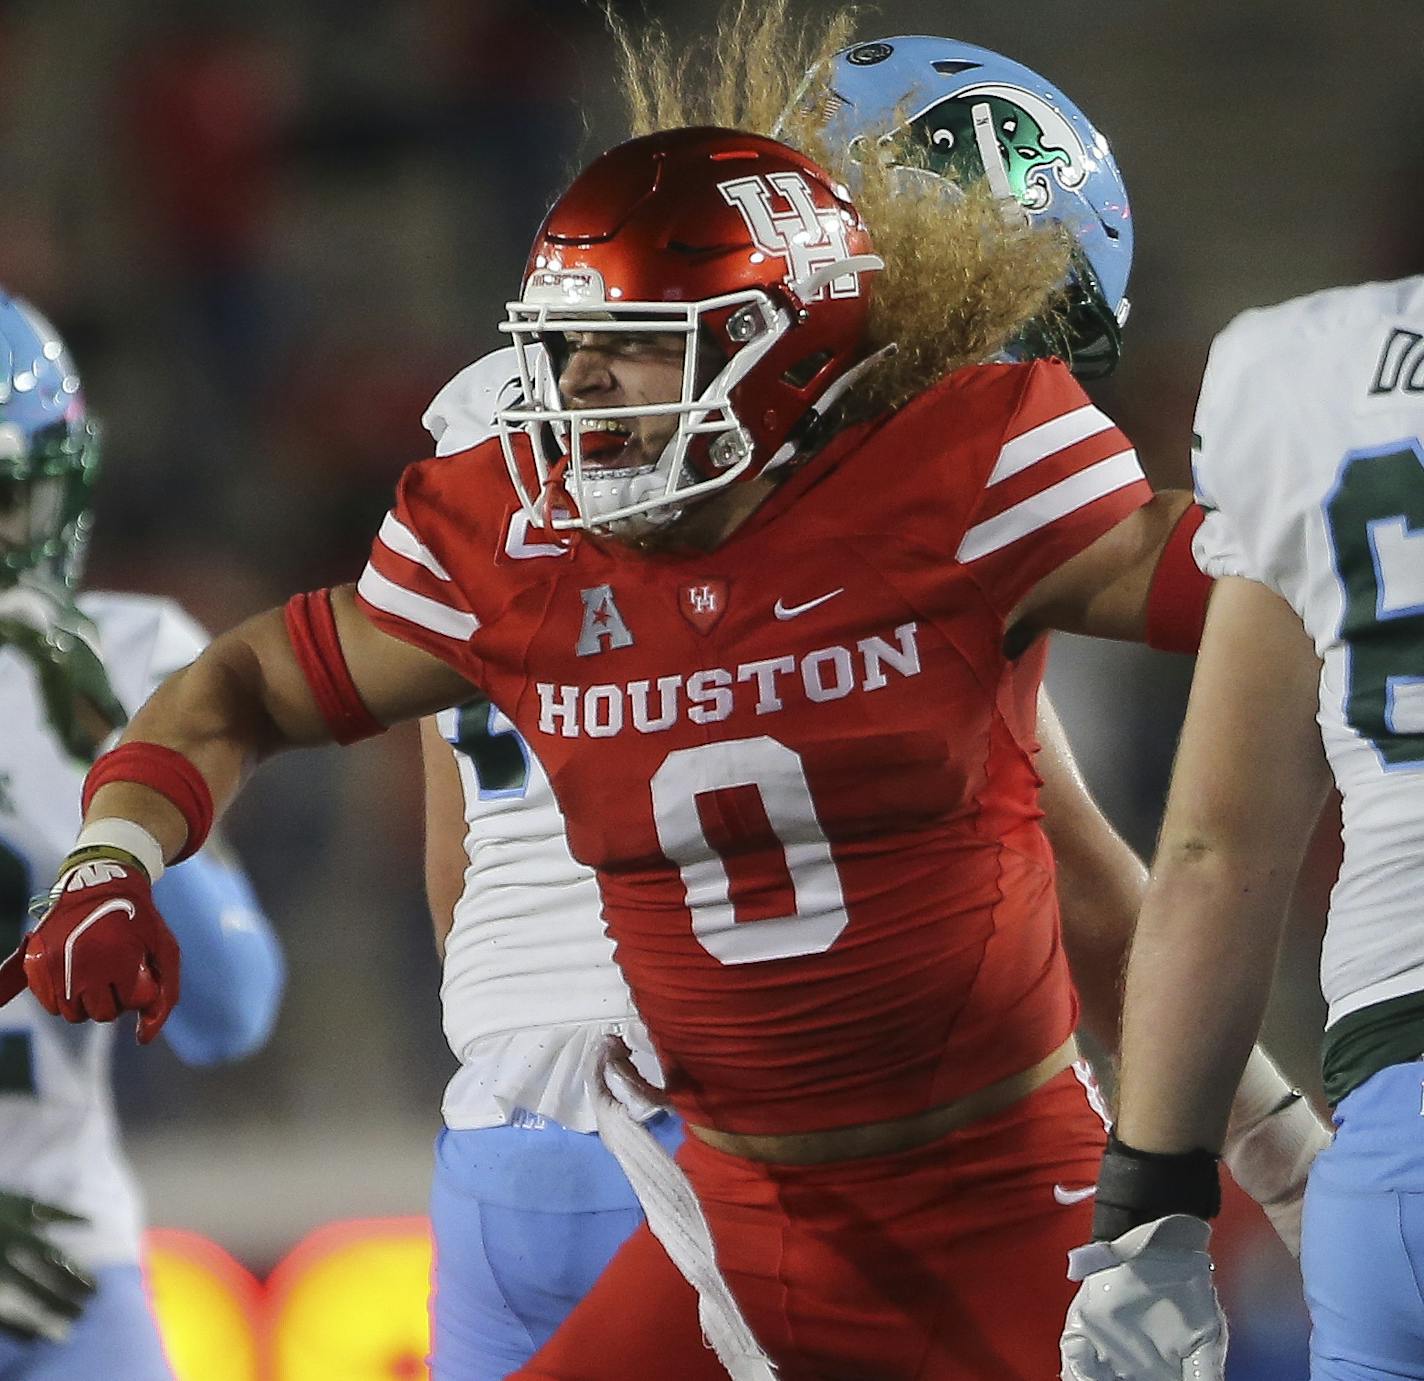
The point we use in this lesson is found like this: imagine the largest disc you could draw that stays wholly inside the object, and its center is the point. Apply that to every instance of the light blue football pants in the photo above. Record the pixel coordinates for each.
(525, 1217)
(114, 1339)
(1362, 1250)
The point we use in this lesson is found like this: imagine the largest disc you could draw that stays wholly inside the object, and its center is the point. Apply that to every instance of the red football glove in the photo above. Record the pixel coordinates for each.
(101, 949)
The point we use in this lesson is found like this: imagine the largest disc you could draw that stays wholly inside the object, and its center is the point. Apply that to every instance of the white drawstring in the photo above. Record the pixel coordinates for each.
(676, 1219)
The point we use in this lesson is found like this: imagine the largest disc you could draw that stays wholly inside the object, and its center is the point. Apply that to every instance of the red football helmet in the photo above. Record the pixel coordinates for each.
(746, 248)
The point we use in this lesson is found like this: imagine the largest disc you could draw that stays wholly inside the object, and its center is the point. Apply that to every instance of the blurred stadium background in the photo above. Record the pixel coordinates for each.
(270, 231)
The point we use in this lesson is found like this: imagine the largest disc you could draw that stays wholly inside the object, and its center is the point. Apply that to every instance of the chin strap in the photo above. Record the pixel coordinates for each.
(826, 402)
(552, 492)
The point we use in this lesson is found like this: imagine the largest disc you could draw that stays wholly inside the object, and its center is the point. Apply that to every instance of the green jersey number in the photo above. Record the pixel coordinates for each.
(1376, 519)
(17, 1065)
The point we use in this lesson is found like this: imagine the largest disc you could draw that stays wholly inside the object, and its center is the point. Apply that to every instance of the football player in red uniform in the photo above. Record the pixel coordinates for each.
(761, 629)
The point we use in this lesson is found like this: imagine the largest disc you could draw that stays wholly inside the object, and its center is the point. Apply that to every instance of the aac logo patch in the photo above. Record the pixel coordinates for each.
(601, 620)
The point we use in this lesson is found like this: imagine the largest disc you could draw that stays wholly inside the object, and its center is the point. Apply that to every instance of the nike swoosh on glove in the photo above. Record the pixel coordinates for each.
(1146, 1309)
(100, 949)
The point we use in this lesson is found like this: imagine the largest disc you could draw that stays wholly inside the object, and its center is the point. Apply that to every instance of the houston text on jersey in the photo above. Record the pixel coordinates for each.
(708, 696)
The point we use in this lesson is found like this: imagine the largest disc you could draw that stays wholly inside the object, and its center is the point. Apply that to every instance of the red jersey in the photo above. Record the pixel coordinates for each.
(800, 763)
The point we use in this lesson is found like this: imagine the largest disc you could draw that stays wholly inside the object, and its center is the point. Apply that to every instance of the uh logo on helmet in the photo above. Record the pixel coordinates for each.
(1042, 151)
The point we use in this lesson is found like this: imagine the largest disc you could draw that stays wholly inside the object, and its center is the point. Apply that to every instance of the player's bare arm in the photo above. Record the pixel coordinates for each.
(1106, 590)
(444, 831)
(1249, 783)
(1100, 881)
(247, 697)
(1272, 1135)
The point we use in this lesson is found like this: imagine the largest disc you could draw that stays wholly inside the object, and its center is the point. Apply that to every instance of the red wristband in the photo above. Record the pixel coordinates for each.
(166, 771)
(311, 629)
(1177, 598)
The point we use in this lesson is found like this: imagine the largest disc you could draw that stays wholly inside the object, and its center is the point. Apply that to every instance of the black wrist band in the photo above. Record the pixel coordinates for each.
(1136, 1187)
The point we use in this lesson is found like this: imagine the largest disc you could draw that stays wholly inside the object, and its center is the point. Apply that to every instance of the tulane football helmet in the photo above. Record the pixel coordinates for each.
(971, 113)
(48, 458)
(49, 451)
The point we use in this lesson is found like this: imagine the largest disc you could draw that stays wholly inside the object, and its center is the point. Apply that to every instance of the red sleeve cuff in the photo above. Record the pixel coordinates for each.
(1177, 598)
(311, 628)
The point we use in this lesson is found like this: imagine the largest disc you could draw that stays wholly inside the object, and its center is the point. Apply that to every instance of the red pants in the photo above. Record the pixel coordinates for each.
(945, 1263)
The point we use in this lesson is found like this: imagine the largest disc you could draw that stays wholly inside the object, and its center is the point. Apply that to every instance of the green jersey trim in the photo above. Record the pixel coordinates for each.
(1372, 1039)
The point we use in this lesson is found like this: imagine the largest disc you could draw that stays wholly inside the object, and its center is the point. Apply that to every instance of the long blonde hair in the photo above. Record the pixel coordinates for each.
(961, 279)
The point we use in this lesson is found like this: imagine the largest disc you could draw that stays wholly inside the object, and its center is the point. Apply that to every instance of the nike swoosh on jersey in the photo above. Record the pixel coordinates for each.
(96, 915)
(790, 611)
(1066, 1196)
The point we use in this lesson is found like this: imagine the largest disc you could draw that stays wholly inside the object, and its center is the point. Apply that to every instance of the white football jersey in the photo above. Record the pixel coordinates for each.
(530, 987)
(1310, 463)
(58, 1137)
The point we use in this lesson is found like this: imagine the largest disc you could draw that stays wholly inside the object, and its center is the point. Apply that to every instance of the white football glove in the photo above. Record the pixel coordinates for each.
(1273, 1138)
(1146, 1309)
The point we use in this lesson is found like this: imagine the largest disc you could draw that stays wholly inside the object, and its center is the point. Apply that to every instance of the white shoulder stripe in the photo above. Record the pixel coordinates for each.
(1047, 439)
(405, 604)
(1047, 506)
(401, 540)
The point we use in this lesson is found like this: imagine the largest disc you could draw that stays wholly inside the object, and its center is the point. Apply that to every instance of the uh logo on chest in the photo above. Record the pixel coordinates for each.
(708, 695)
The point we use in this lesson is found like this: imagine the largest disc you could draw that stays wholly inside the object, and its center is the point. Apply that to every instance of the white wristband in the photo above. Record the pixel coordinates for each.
(118, 833)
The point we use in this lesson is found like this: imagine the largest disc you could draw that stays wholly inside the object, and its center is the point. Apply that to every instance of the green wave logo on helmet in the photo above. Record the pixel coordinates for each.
(1040, 148)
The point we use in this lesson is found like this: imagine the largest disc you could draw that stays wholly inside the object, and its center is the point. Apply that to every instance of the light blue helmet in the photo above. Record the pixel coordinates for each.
(49, 454)
(1029, 139)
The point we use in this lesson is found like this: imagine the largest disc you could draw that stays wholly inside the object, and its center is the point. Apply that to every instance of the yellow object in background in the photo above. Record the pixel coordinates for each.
(349, 1302)
(209, 1308)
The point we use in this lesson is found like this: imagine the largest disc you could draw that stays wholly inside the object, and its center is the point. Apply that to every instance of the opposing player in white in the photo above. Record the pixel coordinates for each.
(526, 1205)
(1310, 463)
(72, 1303)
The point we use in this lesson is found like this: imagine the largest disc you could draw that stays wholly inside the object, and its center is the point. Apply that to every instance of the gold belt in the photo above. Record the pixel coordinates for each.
(901, 1133)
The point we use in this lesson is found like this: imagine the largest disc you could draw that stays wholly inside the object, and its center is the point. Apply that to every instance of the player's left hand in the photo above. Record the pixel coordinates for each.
(100, 949)
(42, 1291)
(1146, 1309)
(1271, 1160)
(40, 619)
